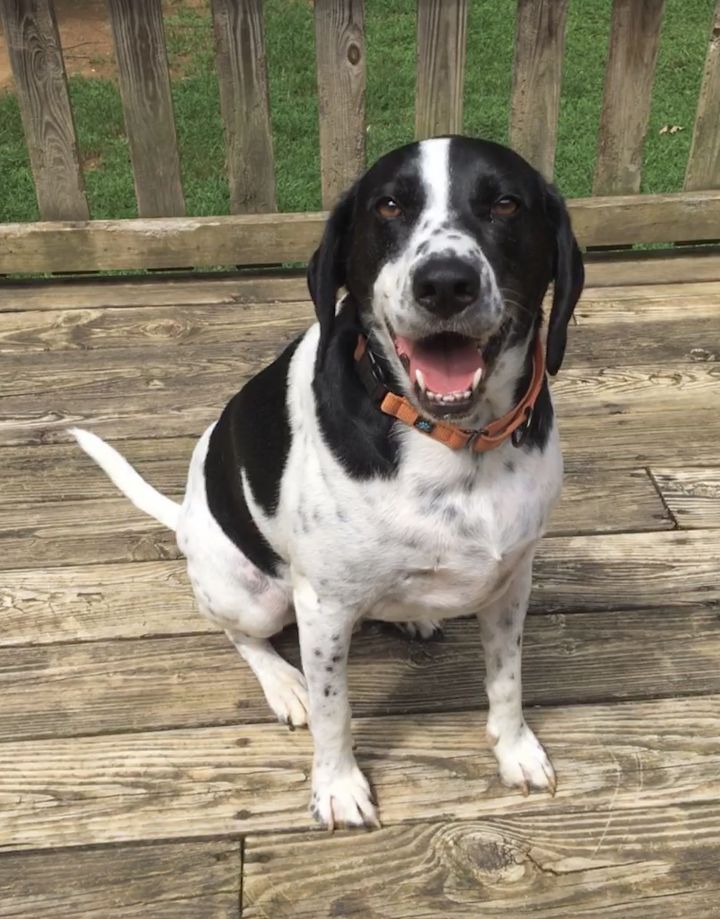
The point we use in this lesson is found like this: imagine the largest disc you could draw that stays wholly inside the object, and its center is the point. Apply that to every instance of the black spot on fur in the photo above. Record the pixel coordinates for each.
(518, 641)
(509, 466)
(251, 435)
(317, 652)
(498, 662)
(326, 691)
(329, 668)
(336, 658)
(422, 248)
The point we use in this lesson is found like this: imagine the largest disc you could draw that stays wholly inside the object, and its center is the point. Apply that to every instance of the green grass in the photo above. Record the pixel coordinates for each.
(390, 26)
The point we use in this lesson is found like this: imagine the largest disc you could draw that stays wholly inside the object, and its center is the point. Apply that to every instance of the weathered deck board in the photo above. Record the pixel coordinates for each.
(181, 880)
(650, 865)
(126, 718)
(692, 495)
(63, 531)
(689, 334)
(158, 683)
(252, 778)
(572, 574)
(178, 291)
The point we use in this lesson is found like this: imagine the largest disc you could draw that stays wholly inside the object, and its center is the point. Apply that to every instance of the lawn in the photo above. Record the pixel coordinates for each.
(390, 26)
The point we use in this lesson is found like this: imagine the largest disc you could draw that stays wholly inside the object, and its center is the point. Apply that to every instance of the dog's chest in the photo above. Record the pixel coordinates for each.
(444, 535)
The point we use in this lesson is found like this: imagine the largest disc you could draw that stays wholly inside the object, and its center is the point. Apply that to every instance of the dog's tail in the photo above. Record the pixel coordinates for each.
(130, 483)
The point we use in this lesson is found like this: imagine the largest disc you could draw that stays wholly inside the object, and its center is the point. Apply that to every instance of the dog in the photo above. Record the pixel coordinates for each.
(400, 459)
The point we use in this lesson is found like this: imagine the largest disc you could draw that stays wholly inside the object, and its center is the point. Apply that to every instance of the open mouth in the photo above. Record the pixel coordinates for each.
(446, 370)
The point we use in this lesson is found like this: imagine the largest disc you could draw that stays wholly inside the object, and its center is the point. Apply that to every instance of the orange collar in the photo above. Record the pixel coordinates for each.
(514, 423)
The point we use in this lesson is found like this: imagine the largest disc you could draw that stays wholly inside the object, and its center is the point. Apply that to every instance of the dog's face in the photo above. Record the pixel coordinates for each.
(448, 247)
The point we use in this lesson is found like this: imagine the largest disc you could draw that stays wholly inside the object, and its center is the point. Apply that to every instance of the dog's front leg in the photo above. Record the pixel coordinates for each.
(522, 760)
(340, 792)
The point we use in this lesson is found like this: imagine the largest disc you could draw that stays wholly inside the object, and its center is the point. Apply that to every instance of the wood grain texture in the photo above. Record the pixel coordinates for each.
(340, 67)
(115, 392)
(537, 78)
(244, 103)
(92, 602)
(175, 290)
(441, 46)
(182, 880)
(101, 526)
(629, 570)
(97, 687)
(257, 239)
(690, 332)
(691, 494)
(108, 327)
(77, 532)
(599, 864)
(244, 779)
(658, 266)
(629, 77)
(703, 168)
(38, 68)
(144, 79)
(604, 572)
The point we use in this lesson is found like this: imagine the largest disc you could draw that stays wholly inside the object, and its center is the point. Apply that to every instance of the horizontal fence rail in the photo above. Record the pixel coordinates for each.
(254, 233)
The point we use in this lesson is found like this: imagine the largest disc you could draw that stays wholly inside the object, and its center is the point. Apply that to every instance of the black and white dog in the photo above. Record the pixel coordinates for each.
(399, 461)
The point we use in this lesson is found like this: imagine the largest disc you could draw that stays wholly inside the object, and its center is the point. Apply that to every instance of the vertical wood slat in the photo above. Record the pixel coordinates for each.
(340, 58)
(39, 70)
(244, 104)
(441, 45)
(537, 80)
(629, 77)
(703, 169)
(144, 79)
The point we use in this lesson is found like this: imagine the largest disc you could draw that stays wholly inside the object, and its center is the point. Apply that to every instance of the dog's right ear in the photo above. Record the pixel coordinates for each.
(327, 269)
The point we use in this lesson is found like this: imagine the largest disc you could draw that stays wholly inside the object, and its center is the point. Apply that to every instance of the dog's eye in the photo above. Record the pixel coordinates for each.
(505, 207)
(388, 208)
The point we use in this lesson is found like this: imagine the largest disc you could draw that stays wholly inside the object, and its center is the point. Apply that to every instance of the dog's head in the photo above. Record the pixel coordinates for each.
(447, 246)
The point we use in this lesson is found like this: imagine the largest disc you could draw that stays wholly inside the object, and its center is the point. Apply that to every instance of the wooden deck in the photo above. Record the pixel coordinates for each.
(140, 771)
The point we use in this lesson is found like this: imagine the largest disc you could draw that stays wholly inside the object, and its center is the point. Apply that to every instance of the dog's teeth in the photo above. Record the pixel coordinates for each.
(477, 378)
(420, 380)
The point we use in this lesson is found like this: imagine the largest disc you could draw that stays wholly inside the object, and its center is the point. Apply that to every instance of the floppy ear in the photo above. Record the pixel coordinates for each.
(327, 269)
(569, 276)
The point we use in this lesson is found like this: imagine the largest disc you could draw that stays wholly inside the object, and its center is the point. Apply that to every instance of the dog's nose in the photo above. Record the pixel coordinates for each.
(445, 286)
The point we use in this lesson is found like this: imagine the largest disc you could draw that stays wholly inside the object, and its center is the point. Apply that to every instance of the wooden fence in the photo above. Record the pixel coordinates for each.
(163, 237)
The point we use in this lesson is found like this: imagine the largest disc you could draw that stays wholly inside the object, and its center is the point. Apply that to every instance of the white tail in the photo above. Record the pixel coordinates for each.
(130, 483)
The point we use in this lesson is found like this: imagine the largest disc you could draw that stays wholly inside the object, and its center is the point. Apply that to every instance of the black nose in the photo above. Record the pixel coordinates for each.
(445, 286)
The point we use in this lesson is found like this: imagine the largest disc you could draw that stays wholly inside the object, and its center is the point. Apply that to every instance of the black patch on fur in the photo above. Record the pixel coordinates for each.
(509, 466)
(355, 429)
(252, 435)
(542, 416)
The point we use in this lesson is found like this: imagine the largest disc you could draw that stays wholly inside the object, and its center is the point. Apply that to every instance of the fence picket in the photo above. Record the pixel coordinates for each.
(629, 77)
(441, 45)
(537, 77)
(242, 74)
(703, 169)
(145, 89)
(39, 70)
(340, 59)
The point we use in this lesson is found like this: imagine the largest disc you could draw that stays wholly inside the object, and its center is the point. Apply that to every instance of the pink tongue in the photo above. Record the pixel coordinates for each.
(446, 369)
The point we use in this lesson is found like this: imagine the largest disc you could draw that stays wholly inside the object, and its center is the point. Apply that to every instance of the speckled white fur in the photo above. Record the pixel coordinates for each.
(450, 534)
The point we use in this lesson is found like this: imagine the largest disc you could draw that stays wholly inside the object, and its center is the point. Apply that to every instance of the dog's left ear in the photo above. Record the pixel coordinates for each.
(569, 277)
(327, 269)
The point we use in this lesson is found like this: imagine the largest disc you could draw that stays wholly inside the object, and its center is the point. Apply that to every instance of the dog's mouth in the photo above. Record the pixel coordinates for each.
(446, 371)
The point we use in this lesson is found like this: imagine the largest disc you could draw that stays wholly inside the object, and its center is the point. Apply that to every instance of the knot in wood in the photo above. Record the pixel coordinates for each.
(353, 53)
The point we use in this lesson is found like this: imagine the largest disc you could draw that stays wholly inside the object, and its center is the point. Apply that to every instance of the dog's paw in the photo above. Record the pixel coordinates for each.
(523, 762)
(287, 695)
(343, 800)
(422, 628)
